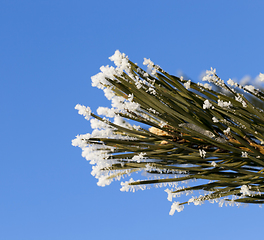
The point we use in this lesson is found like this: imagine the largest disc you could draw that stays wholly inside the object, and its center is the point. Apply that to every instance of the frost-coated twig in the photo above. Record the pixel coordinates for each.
(175, 130)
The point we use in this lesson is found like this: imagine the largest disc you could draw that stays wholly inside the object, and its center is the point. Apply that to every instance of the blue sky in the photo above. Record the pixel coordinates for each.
(49, 50)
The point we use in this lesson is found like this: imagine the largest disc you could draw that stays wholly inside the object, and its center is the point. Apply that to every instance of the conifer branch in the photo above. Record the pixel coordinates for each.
(185, 131)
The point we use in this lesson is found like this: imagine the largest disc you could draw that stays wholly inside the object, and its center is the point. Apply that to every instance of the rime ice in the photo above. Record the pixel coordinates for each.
(207, 104)
(85, 111)
(176, 207)
(261, 77)
(187, 85)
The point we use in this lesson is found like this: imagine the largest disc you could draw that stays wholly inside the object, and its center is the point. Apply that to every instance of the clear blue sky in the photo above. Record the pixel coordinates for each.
(48, 52)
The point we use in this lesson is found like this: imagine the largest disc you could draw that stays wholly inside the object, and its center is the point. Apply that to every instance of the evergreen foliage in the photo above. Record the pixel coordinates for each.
(186, 131)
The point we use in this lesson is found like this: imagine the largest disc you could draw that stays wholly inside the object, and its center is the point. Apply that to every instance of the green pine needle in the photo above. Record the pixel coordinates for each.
(186, 131)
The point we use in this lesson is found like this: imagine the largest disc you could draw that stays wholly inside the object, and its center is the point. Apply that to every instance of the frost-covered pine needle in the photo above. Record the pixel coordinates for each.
(188, 137)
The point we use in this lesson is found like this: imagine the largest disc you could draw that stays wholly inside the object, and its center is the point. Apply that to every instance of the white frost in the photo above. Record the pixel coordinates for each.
(227, 131)
(169, 194)
(139, 157)
(132, 188)
(221, 103)
(245, 190)
(202, 153)
(250, 88)
(261, 77)
(85, 111)
(109, 94)
(211, 76)
(176, 207)
(121, 61)
(207, 104)
(231, 82)
(244, 154)
(208, 86)
(213, 163)
(196, 201)
(215, 120)
(80, 140)
(95, 123)
(105, 111)
(187, 85)
(148, 62)
(240, 99)
(99, 80)
(150, 65)
(120, 103)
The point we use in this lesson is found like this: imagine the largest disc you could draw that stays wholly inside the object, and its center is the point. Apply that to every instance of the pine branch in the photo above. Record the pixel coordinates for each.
(187, 131)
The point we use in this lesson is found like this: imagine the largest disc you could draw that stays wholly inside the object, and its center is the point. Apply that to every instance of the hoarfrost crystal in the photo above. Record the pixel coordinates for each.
(221, 103)
(231, 82)
(245, 190)
(139, 158)
(244, 154)
(261, 77)
(176, 207)
(187, 85)
(250, 88)
(207, 104)
(227, 131)
(85, 111)
(213, 163)
(215, 120)
(202, 153)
